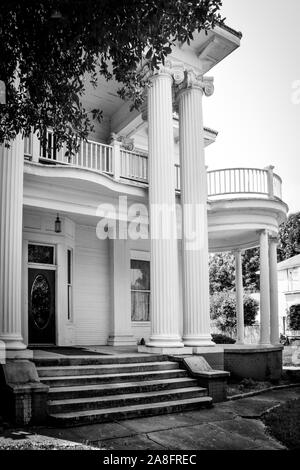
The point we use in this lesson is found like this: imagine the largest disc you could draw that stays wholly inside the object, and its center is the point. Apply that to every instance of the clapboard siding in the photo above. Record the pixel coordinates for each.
(141, 330)
(92, 296)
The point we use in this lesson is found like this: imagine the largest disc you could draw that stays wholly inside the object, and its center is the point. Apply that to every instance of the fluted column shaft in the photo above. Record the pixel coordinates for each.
(196, 317)
(164, 253)
(274, 323)
(11, 206)
(239, 298)
(264, 289)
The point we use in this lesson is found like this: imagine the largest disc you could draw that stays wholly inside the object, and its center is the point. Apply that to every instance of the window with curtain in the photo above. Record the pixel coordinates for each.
(140, 290)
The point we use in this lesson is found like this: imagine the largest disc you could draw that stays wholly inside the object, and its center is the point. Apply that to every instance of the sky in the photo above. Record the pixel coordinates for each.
(256, 103)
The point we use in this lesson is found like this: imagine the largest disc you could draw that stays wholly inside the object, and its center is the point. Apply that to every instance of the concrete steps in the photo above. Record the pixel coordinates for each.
(69, 380)
(97, 360)
(112, 401)
(87, 389)
(126, 412)
(64, 371)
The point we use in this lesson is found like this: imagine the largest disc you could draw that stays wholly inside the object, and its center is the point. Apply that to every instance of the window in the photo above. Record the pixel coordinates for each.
(140, 290)
(69, 283)
(41, 254)
(293, 279)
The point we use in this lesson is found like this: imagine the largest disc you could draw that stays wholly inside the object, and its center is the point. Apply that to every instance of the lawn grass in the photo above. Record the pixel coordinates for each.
(283, 423)
(29, 445)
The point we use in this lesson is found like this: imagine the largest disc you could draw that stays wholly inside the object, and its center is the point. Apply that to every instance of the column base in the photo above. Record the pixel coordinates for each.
(121, 340)
(12, 347)
(19, 354)
(165, 350)
(2, 352)
(13, 341)
(161, 341)
(198, 341)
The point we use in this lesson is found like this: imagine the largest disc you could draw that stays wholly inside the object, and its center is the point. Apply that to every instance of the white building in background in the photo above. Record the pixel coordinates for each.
(288, 290)
(61, 284)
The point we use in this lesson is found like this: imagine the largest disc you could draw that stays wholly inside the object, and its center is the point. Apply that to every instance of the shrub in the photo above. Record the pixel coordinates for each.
(222, 339)
(223, 311)
(294, 317)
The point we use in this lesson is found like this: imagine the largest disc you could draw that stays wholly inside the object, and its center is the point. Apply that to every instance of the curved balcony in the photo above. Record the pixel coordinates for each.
(132, 167)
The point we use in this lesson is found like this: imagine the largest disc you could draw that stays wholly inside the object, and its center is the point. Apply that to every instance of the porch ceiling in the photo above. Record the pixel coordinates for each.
(203, 53)
(228, 240)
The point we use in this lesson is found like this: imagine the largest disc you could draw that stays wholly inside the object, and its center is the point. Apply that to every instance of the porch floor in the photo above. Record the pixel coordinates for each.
(131, 351)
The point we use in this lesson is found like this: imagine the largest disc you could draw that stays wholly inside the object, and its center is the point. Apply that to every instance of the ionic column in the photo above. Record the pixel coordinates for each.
(11, 207)
(196, 317)
(239, 297)
(274, 323)
(264, 289)
(164, 288)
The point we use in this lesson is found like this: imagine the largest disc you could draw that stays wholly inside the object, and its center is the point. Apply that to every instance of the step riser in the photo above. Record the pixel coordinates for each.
(96, 360)
(124, 390)
(71, 407)
(103, 379)
(114, 369)
(120, 415)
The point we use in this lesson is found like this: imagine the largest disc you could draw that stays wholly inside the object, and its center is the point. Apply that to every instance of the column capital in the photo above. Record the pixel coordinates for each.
(126, 142)
(176, 72)
(263, 231)
(273, 239)
(174, 69)
(194, 80)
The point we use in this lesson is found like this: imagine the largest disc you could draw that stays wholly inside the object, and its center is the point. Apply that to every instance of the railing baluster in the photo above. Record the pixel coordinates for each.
(215, 182)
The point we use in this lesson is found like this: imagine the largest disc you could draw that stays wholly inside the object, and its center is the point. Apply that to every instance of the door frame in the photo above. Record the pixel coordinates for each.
(40, 239)
(44, 267)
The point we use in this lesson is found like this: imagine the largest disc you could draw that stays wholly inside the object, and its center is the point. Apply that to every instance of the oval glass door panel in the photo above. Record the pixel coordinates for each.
(41, 302)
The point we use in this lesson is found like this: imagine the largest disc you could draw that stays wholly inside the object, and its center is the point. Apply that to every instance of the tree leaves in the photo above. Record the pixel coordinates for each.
(289, 237)
(223, 311)
(53, 44)
(222, 271)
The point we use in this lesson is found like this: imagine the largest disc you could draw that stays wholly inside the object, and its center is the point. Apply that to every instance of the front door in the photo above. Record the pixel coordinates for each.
(41, 306)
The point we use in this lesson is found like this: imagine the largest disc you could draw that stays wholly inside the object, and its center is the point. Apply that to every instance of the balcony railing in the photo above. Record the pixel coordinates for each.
(244, 181)
(126, 165)
(134, 166)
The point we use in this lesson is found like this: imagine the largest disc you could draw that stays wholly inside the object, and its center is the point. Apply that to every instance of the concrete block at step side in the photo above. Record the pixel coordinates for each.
(214, 380)
(2, 352)
(213, 354)
(24, 397)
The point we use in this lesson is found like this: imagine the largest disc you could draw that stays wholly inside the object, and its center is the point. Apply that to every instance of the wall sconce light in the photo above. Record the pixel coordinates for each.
(57, 224)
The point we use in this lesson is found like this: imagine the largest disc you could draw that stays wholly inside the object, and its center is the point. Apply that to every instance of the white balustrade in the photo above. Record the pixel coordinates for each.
(94, 156)
(177, 177)
(237, 181)
(28, 146)
(277, 182)
(91, 155)
(133, 166)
